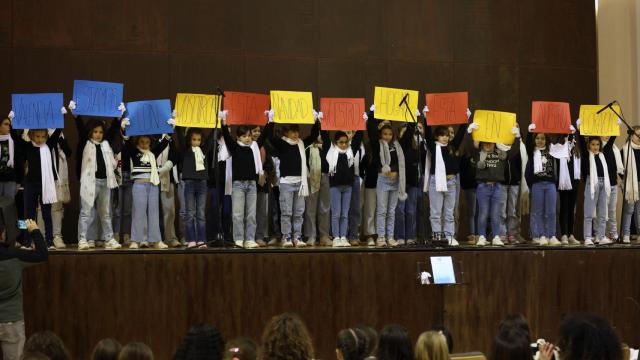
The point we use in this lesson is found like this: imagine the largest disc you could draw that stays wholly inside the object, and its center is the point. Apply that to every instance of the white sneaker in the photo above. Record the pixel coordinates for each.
(287, 244)
(625, 239)
(392, 242)
(133, 245)
(573, 241)
(371, 242)
(588, 242)
(58, 242)
(554, 241)
(345, 242)
(83, 245)
(381, 242)
(311, 241)
(159, 245)
(597, 240)
(239, 243)
(543, 241)
(112, 245)
(337, 242)
(250, 244)
(273, 241)
(535, 241)
(400, 242)
(482, 241)
(497, 241)
(92, 244)
(175, 243)
(454, 242)
(564, 240)
(144, 244)
(606, 241)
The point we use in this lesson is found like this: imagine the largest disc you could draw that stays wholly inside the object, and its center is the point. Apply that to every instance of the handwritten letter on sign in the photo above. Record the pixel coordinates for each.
(149, 117)
(97, 98)
(447, 108)
(387, 102)
(342, 113)
(37, 111)
(246, 108)
(495, 126)
(197, 110)
(292, 107)
(551, 117)
(603, 124)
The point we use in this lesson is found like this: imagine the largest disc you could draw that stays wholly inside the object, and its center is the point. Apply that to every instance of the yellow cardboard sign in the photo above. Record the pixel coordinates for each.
(603, 124)
(197, 110)
(387, 102)
(494, 126)
(292, 107)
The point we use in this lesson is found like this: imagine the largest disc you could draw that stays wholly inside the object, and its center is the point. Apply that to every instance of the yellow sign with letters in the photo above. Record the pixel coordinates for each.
(603, 124)
(388, 107)
(292, 107)
(197, 110)
(494, 126)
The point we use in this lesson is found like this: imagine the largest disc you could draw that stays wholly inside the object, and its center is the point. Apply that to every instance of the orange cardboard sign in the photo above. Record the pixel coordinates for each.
(342, 113)
(246, 108)
(447, 108)
(551, 117)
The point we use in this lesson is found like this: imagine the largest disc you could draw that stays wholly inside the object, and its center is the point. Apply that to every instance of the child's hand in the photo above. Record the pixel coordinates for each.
(578, 123)
(468, 113)
(174, 114)
(532, 127)
(372, 108)
(124, 123)
(516, 131)
(63, 110)
(172, 122)
(223, 116)
(31, 225)
(122, 108)
(619, 121)
(270, 114)
(365, 117)
(11, 115)
(572, 129)
(473, 127)
(417, 113)
(72, 105)
(425, 110)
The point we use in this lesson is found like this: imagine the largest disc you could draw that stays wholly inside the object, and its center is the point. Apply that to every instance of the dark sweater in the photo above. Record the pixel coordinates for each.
(32, 159)
(490, 167)
(373, 132)
(83, 137)
(139, 168)
(413, 164)
(468, 173)
(610, 157)
(549, 171)
(187, 163)
(451, 160)
(243, 164)
(9, 173)
(584, 163)
(289, 155)
(344, 174)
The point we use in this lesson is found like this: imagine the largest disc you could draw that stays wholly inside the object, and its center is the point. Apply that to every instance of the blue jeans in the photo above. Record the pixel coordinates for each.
(543, 209)
(627, 214)
(611, 228)
(386, 202)
(146, 212)
(243, 202)
(217, 222)
(355, 210)
(490, 203)
(102, 203)
(340, 201)
(442, 206)
(291, 209)
(195, 196)
(182, 212)
(595, 207)
(406, 215)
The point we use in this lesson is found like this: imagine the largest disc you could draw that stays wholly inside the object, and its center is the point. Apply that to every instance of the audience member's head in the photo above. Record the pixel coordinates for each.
(203, 341)
(515, 321)
(431, 345)
(106, 349)
(34, 356)
(394, 344)
(135, 351)
(351, 344)
(286, 338)
(447, 335)
(371, 336)
(47, 343)
(588, 337)
(512, 343)
(241, 349)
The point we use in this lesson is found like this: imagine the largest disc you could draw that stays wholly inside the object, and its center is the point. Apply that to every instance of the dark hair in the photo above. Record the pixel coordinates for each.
(511, 344)
(106, 349)
(596, 138)
(34, 356)
(243, 130)
(241, 348)
(47, 343)
(371, 336)
(441, 131)
(286, 337)
(193, 131)
(517, 321)
(338, 135)
(447, 334)
(93, 124)
(394, 344)
(290, 127)
(140, 137)
(202, 341)
(352, 344)
(135, 351)
(588, 337)
(384, 127)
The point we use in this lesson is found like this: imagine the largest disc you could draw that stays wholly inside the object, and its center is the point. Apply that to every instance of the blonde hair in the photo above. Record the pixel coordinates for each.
(431, 345)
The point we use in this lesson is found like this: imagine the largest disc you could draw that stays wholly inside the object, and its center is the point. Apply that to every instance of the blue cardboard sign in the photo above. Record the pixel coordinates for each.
(37, 111)
(97, 98)
(149, 117)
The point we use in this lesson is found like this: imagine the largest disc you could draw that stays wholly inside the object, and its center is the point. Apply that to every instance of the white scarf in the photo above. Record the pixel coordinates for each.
(524, 188)
(9, 139)
(223, 155)
(304, 185)
(632, 194)
(149, 158)
(165, 170)
(562, 153)
(332, 157)
(576, 167)
(199, 157)
(618, 156)
(441, 169)
(89, 166)
(315, 169)
(359, 155)
(427, 172)
(593, 174)
(62, 186)
(385, 161)
(49, 195)
(537, 161)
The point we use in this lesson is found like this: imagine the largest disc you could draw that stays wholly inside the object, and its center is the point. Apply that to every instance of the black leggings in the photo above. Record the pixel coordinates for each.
(567, 209)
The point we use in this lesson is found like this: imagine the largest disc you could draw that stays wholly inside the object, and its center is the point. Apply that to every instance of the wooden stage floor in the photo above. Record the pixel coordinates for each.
(155, 295)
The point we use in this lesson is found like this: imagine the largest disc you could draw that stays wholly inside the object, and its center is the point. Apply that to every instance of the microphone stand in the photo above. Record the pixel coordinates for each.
(218, 240)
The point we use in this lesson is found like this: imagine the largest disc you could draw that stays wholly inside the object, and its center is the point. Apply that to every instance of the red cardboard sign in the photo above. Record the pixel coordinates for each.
(342, 113)
(246, 108)
(551, 117)
(447, 108)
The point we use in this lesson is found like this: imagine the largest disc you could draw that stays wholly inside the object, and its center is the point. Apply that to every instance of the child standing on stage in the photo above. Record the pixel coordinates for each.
(490, 162)
(441, 179)
(244, 153)
(512, 189)
(262, 192)
(318, 204)
(597, 188)
(568, 182)
(146, 181)
(542, 175)
(631, 159)
(167, 161)
(407, 210)
(340, 158)
(355, 209)
(614, 164)
(194, 171)
(390, 162)
(294, 187)
(369, 202)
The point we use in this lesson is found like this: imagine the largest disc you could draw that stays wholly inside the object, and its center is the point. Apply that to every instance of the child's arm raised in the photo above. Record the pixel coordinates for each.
(159, 146)
(356, 141)
(406, 141)
(372, 131)
(232, 146)
(263, 137)
(83, 133)
(113, 130)
(457, 139)
(53, 139)
(315, 131)
(326, 140)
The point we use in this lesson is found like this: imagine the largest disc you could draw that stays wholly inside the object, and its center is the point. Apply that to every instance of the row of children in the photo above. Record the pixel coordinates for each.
(315, 184)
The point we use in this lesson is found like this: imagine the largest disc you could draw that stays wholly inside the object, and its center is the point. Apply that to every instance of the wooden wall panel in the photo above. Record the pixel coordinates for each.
(155, 296)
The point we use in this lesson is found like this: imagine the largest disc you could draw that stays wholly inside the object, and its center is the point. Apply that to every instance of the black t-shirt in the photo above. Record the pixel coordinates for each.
(6, 173)
(101, 169)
